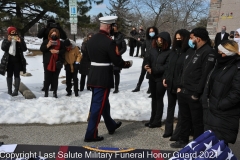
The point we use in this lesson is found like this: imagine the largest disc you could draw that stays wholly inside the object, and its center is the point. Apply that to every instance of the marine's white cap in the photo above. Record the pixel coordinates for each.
(108, 19)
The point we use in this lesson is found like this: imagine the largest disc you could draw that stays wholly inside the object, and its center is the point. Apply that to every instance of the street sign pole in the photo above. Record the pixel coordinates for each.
(73, 17)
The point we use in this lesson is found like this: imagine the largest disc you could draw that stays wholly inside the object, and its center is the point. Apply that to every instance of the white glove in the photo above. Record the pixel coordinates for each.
(77, 63)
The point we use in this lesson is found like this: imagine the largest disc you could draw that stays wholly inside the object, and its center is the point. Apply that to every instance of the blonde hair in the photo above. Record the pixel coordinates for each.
(231, 45)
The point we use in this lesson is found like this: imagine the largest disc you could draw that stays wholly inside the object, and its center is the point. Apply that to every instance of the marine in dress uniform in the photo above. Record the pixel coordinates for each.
(103, 52)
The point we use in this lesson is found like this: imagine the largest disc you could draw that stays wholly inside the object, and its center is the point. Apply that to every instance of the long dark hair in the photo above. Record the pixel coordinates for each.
(148, 29)
(185, 35)
(165, 45)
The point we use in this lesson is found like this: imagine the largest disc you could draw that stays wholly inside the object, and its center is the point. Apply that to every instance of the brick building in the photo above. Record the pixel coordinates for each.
(223, 13)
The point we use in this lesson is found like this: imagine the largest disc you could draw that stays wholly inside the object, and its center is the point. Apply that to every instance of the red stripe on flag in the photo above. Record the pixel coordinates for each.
(157, 155)
(61, 152)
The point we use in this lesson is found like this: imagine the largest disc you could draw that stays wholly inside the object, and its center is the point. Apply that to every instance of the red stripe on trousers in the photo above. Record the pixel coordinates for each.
(158, 155)
(100, 112)
(62, 150)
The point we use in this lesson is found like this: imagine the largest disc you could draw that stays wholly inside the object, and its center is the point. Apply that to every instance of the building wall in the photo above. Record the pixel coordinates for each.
(223, 13)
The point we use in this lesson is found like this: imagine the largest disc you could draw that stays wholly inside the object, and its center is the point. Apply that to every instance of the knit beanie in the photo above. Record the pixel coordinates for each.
(10, 29)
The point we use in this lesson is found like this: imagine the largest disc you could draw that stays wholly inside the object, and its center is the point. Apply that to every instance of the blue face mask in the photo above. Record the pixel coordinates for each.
(191, 44)
(152, 34)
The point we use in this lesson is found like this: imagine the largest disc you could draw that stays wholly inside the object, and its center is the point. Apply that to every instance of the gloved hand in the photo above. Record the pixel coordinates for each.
(128, 64)
(76, 66)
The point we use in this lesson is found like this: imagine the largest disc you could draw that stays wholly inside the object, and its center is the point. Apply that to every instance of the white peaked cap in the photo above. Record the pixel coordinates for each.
(108, 19)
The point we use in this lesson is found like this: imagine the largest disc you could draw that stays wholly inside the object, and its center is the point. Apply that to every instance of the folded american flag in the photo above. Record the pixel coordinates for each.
(205, 147)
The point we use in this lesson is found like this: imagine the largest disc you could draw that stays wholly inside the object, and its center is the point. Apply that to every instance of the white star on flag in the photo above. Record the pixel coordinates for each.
(190, 144)
(218, 151)
(230, 155)
(208, 146)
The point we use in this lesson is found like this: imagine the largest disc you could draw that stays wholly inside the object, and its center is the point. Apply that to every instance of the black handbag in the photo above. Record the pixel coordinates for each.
(59, 64)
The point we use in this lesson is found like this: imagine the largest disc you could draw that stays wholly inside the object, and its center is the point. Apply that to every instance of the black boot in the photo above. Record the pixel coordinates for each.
(9, 85)
(148, 91)
(17, 84)
(55, 94)
(116, 89)
(43, 89)
(137, 89)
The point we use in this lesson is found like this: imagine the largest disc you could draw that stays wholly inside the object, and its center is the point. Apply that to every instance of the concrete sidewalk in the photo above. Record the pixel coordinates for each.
(129, 135)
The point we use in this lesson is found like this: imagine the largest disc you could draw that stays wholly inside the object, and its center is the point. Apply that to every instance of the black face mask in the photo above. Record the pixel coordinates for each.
(179, 43)
(231, 36)
(54, 37)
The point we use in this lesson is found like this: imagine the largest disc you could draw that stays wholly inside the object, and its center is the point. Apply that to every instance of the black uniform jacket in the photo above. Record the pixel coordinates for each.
(47, 54)
(102, 49)
(172, 73)
(198, 63)
(18, 58)
(221, 102)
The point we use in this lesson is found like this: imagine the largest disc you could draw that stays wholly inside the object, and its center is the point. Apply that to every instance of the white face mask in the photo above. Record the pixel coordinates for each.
(237, 40)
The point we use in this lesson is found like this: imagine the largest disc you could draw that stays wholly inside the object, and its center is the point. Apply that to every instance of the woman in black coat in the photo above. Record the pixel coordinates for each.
(53, 58)
(85, 63)
(145, 51)
(13, 60)
(171, 78)
(221, 96)
(122, 47)
(156, 65)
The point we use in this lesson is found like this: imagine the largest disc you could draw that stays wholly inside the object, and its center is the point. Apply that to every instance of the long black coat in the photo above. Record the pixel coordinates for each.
(174, 68)
(20, 48)
(47, 54)
(85, 62)
(221, 102)
(132, 40)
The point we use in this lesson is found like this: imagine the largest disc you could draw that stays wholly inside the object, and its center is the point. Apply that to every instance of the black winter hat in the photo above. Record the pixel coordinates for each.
(67, 43)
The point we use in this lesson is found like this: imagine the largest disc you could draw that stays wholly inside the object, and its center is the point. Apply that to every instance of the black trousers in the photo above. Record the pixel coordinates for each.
(142, 74)
(116, 77)
(139, 44)
(172, 99)
(191, 113)
(13, 69)
(69, 77)
(82, 81)
(157, 91)
(51, 78)
(131, 51)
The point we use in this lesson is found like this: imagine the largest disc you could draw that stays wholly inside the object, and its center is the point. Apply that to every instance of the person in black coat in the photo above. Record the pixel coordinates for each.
(132, 41)
(220, 100)
(13, 60)
(220, 37)
(171, 77)
(199, 61)
(145, 51)
(53, 58)
(85, 63)
(155, 66)
(140, 39)
(122, 47)
(43, 34)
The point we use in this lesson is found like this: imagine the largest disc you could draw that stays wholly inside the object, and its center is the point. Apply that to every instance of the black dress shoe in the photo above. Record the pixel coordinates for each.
(167, 135)
(154, 125)
(178, 144)
(173, 138)
(68, 94)
(118, 124)
(147, 124)
(99, 138)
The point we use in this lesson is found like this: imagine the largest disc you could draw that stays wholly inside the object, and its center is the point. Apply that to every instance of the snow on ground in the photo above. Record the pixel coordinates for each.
(125, 105)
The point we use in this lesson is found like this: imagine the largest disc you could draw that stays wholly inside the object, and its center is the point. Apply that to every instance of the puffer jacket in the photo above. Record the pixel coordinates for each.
(221, 102)
(19, 57)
